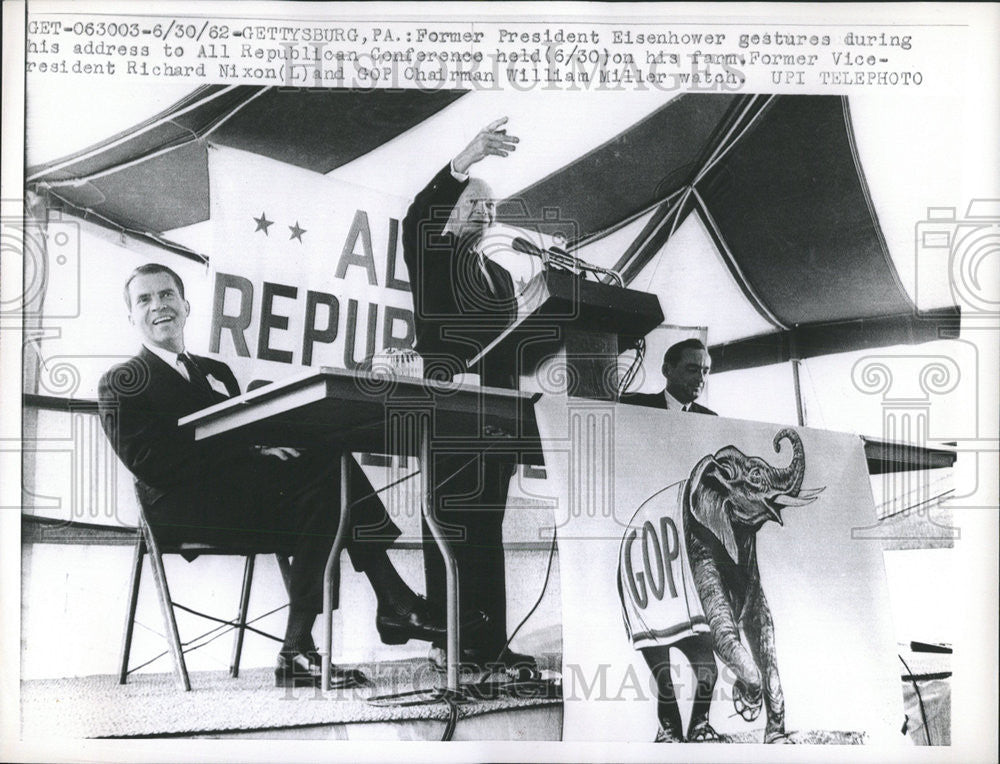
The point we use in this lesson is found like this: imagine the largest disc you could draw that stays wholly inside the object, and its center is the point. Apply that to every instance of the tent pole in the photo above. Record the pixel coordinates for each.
(800, 409)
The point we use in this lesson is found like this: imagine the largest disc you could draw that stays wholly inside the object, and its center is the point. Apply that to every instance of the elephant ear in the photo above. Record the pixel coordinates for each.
(708, 488)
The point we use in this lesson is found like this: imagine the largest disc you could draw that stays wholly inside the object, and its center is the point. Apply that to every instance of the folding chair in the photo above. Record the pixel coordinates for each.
(148, 544)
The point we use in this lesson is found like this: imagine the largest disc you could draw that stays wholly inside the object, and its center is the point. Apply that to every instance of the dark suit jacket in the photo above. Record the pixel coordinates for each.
(206, 492)
(140, 402)
(456, 310)
(657, 401)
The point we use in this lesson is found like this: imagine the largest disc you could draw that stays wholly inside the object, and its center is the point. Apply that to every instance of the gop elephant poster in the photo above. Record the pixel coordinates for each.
(711, 588)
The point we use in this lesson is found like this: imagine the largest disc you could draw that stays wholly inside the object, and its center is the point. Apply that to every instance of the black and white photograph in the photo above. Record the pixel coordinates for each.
(521, 380)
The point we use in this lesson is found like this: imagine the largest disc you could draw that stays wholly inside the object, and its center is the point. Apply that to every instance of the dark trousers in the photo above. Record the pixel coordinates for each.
(471, 507)
(292, 506)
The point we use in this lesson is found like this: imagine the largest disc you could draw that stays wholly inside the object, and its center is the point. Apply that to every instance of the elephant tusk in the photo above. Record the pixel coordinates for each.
(810, 493)
(783, 500)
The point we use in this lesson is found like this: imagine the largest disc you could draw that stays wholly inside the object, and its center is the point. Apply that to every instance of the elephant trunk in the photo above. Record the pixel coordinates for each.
(788, 479)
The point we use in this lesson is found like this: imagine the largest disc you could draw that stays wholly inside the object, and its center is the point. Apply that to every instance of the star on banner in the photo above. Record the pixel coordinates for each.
(296, 232)
(262, 223)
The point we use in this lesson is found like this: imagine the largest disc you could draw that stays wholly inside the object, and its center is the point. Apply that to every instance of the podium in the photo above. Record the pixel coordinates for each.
(569, 332)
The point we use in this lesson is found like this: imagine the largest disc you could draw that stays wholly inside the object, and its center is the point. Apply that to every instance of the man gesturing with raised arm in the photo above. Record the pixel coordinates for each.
(462, 299)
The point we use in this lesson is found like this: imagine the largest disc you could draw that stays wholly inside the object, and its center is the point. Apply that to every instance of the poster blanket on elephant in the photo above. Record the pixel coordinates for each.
(737, 534)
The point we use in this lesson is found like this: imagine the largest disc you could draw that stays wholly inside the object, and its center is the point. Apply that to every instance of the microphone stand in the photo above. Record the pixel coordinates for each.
(559, 259)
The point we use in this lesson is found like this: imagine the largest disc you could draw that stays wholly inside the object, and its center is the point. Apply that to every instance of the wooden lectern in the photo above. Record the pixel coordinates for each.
(569, 333)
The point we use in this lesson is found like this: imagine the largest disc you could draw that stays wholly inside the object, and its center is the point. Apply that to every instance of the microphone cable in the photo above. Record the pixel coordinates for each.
(515, 686)
(523, 682)
(629, 376)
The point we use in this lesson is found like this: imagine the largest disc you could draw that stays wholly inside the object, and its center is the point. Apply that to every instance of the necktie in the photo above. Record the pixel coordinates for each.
(491, 283)
(197, 377)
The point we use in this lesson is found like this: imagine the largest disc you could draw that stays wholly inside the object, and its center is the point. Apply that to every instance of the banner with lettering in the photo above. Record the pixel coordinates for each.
(307, 270)
(699, 546)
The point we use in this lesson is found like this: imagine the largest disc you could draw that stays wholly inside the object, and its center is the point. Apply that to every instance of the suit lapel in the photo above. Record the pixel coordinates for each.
(206, 365)
(174, 385)
(501, 280)
(496, 284)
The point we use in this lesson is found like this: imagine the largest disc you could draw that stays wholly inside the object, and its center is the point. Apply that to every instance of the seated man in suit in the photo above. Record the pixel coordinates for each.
(685, 365)
(462, 299)
(198, 491)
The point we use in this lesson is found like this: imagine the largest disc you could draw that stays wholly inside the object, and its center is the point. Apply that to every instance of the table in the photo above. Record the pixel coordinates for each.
(377, 413)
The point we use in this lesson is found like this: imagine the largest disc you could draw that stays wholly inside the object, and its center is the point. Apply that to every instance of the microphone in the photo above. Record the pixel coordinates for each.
(559, 258)
(525, 247)
(552, 256)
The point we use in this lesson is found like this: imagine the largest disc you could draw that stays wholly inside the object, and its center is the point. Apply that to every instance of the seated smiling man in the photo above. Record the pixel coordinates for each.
(198, 491)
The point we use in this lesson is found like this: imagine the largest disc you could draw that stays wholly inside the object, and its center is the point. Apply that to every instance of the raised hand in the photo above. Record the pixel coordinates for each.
(492, 140)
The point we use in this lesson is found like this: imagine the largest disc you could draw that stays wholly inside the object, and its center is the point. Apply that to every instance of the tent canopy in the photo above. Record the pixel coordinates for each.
(776, 181)
(317, 130)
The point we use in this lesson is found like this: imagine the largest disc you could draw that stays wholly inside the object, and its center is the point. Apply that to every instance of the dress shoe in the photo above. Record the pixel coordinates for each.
(478, 659)
(420, 623)
(306, 670)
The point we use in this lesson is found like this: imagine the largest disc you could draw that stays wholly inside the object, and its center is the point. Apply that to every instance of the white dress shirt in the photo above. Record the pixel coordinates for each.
(673, 404)
(170, 358)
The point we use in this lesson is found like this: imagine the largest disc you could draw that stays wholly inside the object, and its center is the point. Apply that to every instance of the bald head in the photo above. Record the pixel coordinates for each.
(475, 210)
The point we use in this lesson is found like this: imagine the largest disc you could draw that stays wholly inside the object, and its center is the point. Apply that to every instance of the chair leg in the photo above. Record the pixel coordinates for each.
(133, 601)
(241, 617)
(166, 605)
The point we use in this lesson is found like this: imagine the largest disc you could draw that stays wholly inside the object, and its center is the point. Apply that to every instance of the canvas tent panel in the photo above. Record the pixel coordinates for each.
(322, 129)
(179, 124)
(180, 180)
(314, 129)
(697, 288)
(789, 202)
(627, 174)
(818, 339)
